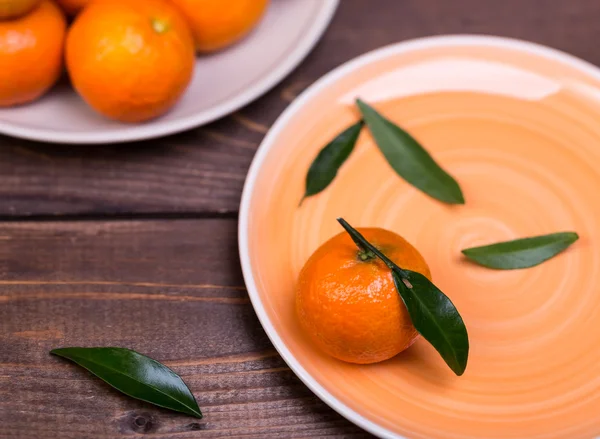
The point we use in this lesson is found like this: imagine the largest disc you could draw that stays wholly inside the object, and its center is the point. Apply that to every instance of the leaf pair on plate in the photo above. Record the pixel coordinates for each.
(404, 154)
(416, 166)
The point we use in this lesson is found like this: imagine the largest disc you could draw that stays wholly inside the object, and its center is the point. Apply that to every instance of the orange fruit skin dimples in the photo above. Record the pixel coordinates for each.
(130, 60)
(350, 308)
(31, 54)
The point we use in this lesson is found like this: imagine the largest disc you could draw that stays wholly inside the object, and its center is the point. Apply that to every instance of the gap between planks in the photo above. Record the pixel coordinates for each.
(117, 216)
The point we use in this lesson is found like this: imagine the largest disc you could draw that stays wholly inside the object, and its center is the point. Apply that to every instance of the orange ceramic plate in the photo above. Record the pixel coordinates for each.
(518, 125)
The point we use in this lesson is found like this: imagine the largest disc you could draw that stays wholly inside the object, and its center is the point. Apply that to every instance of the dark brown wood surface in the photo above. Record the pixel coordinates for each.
(135, 246)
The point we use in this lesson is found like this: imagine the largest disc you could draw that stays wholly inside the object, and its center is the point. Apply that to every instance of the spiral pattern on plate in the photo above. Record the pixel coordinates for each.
(527, 166)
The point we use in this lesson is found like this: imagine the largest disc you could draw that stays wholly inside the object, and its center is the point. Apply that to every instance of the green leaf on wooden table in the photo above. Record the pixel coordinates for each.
(409, 159)
(521, 253)
(325, 166)
(432, 313)
(135, 375)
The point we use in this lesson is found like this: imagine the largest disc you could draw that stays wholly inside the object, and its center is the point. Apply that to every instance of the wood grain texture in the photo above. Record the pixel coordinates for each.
(203, 170)
(169, 289)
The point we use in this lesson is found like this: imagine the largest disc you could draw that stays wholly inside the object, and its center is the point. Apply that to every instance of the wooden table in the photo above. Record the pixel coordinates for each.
(136, 246)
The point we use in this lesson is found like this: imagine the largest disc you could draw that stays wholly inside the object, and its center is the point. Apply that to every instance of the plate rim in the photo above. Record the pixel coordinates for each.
(151, 131)
(269, 141)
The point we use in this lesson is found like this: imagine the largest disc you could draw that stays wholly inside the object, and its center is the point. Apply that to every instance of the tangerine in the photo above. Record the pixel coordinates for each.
(217, 24)
(347, 302)
(130, 60)
(31, 54)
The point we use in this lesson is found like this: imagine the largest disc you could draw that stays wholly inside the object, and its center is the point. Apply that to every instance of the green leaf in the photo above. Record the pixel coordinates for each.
(409, 159)
(325, 166)
(521, 253)
(135, 375)
(432, 313)
(435, 317)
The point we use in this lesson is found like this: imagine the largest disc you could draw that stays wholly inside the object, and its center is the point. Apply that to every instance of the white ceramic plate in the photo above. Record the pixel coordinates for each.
(222, 83)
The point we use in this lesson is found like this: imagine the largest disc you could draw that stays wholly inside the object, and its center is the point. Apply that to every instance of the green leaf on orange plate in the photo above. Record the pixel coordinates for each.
(409, 159)
(521, 253)
(325, 166)
(435, 317)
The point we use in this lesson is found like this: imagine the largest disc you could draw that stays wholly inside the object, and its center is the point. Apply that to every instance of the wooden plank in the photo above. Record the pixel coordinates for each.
(169, 289)
(203, 170)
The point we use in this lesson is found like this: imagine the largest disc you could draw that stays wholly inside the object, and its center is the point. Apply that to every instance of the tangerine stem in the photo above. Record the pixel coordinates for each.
(365, 246)
(366, 255)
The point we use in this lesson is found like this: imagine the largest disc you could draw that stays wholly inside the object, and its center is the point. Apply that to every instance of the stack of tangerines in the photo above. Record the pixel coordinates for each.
(130, 60)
